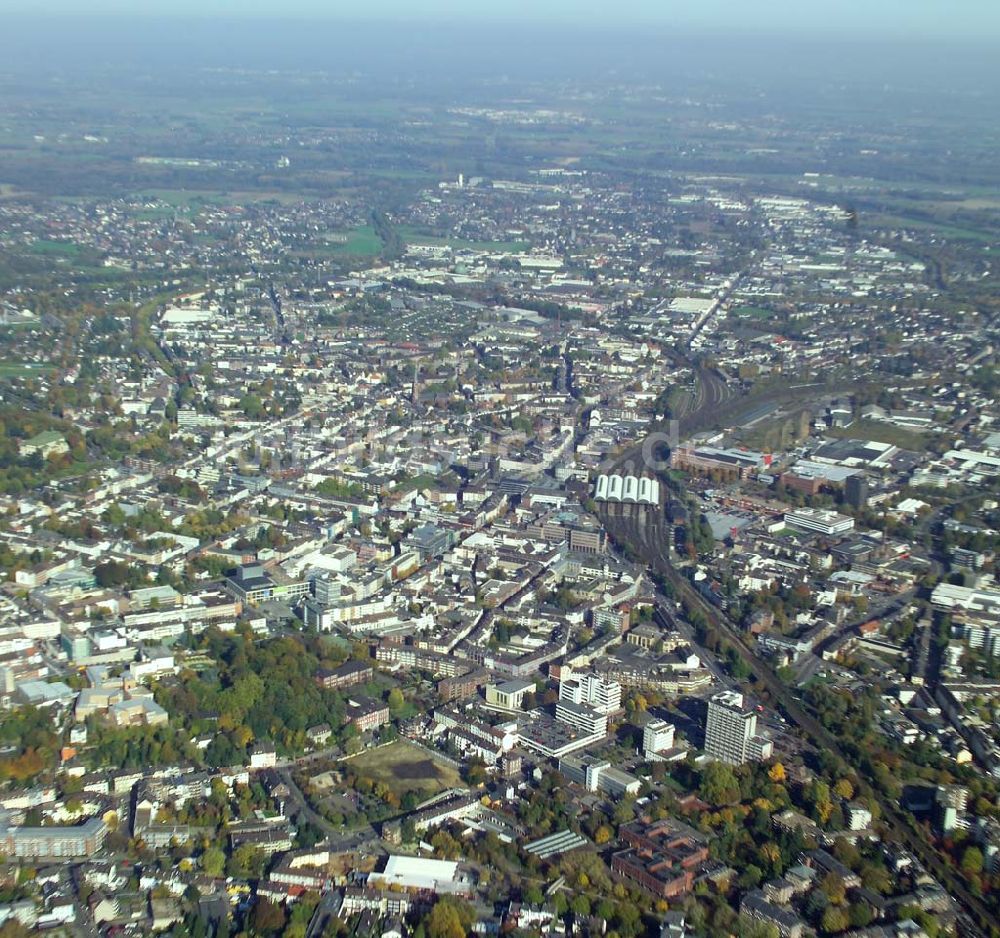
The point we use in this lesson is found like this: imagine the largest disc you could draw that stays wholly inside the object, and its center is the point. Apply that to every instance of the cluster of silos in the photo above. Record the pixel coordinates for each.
(636, 489)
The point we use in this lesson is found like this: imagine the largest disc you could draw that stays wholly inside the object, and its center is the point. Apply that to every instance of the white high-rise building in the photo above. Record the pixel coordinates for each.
(657, 737)
(951, 801)
(731, 731)
(592, 690)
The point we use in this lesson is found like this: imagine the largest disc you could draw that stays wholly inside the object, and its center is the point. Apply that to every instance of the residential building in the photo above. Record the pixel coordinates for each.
(52, 843)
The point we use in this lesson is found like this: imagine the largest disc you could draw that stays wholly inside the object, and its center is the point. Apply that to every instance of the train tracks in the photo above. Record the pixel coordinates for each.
(644, 532)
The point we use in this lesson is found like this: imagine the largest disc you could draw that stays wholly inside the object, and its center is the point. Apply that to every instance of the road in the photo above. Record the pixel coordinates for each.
(322, 914)
(336, 838)
(808, 664)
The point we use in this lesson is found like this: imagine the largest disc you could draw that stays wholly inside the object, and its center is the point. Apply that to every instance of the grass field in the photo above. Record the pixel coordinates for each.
(362, 242)
(943, 229)
(405, 767)
(64, 248)
(882, 433)
(22, 370)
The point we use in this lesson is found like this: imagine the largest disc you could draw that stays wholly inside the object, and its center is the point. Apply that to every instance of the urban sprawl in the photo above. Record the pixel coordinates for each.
(591, 559)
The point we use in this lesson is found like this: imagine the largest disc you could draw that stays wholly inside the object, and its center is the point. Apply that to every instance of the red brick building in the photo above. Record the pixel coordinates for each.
(367, 714)
(662, 857)
(348, 674)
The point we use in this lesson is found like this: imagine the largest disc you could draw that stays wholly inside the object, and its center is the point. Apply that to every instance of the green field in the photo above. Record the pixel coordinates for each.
(361, 242)
(405, 767)
(882, 433)
(23, 370)
(64, 248)
(945, 230)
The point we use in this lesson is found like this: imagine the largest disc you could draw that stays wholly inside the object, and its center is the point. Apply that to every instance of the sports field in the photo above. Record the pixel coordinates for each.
(405, 767)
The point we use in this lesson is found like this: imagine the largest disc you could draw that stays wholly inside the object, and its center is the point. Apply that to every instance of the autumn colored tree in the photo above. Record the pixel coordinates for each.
(450, 918)
(268, 918)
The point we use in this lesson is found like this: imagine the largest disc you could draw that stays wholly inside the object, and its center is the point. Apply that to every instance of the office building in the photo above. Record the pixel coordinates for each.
(856, 491)
(592, 690)
(657, 737)
(950, 803)
(508, 695)
(819, 520)
(580, 716)
(731, 731)
(597, 774)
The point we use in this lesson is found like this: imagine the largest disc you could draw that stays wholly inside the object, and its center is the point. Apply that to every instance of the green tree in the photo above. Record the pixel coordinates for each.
(834, 920)
(532, 895)
(213, 861)
(719, 784)
(748, 928)
(972, 861)
(252, 406)
(450, 918)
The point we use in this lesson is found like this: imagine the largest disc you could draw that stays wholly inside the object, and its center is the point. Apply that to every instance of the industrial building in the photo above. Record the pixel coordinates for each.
(634, 489)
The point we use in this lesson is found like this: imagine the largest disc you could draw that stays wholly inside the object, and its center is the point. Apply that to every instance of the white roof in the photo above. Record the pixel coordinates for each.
(417, 872)
(176, 316)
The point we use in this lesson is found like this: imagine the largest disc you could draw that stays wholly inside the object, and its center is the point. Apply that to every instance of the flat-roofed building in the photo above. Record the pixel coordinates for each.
(661, 857)
(52, 843)
(951, 598)
(816, 519)
(594, 690)
(509, 695)
(731, 731)
(657, 737)
(422, 873)
(582, 717)
(597, 774)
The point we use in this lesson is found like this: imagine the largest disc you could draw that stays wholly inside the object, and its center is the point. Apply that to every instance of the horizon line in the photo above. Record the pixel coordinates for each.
(439, 19)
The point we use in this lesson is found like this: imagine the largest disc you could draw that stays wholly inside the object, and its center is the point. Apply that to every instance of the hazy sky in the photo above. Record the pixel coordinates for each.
(880, 19)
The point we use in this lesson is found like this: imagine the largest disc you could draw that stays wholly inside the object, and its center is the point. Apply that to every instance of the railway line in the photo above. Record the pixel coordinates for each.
(646, 534)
